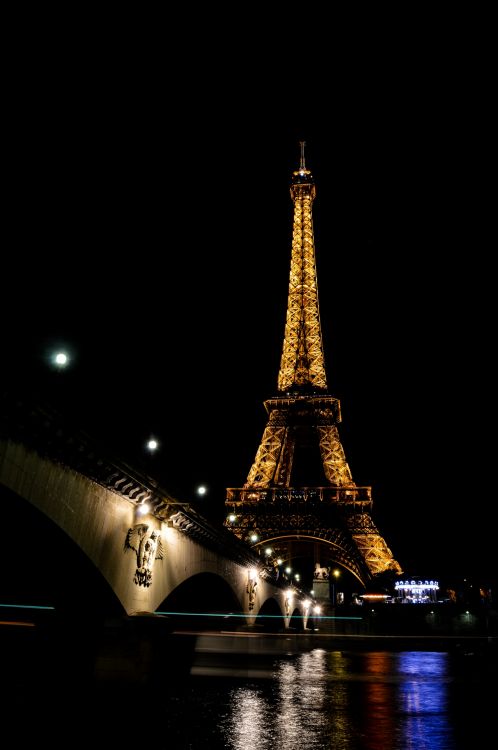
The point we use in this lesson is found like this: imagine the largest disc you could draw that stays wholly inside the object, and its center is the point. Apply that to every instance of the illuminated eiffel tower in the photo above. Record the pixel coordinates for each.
(300, 488)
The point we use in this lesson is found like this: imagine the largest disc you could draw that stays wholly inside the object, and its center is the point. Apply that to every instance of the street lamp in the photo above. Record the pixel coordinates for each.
(335, 573)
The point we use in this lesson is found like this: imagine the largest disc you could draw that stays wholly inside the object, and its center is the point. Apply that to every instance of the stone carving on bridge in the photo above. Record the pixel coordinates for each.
(252, 584)
(148, 548)
(320, 573)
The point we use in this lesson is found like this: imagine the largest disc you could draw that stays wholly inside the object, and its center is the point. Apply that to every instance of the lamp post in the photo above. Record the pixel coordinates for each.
(335, 575)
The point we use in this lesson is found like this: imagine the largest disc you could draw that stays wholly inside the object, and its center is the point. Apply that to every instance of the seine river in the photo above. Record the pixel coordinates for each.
(258, 696)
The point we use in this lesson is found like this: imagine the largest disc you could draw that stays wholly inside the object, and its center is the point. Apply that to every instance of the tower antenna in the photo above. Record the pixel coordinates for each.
(302, 164)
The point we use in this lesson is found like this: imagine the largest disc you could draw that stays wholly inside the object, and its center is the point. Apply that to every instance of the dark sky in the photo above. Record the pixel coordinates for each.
(148, 229)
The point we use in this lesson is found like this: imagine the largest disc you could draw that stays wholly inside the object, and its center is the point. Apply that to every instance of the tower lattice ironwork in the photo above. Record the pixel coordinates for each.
(300, 485)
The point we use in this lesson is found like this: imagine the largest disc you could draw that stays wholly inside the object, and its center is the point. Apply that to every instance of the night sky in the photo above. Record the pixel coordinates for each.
(148, 230)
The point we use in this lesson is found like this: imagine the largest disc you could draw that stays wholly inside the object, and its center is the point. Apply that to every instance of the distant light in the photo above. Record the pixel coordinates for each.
(297, 576)
(143, 509)
(254, 537)
(268, 551)
(61, 359)
(374, 597)
(317, 609)
(279, 561)
(416, 585)
(288, 570)
(232, 517)
(336, 573)
(201, 490)
(152, 445)
(307, 604)
(312, 592)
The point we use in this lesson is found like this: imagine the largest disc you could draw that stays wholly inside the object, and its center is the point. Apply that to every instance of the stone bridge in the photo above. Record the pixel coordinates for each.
(154, 553)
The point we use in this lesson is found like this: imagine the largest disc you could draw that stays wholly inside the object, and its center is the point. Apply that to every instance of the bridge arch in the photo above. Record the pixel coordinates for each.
(45, 567)
(102, 517)
(296, 621)
(270, 617)
(203, 601)
(333, 542)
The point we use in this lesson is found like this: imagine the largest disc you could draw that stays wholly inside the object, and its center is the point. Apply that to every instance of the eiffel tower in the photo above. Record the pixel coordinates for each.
(300, 488)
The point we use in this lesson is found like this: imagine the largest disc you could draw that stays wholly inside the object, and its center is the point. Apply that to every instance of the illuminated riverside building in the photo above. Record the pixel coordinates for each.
(416, 591)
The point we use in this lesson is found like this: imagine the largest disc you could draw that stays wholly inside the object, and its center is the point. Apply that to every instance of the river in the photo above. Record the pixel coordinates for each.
(243, 693)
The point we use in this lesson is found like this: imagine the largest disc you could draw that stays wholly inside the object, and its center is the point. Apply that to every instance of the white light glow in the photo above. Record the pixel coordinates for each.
(416, 585)
(252, 573)
(201, 490)
(254, 537)
(152, 445)
(317, 609)
(143, 509)
(61, 359)
(232, 517)
(268, 551)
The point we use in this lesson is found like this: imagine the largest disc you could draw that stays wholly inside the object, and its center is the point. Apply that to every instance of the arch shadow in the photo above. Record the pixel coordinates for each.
(45, 567)
(296, 622)
(204, 601)
(270, 618)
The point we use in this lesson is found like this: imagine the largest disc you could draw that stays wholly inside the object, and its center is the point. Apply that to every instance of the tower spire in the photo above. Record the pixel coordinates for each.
(302, 365)
(302, 165)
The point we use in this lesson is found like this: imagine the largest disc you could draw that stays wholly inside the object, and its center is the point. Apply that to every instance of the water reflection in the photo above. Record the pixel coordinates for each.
(291, 714)
(422, 700)
(378, 716)
(248, 719)
(361, 701)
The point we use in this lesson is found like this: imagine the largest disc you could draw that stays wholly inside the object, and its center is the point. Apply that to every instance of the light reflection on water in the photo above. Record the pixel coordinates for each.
(422, 700)
(294, 713)
(244, 692)
(345, 701)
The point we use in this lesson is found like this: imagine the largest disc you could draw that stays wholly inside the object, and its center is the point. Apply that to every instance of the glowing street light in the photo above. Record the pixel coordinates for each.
(201, 490)
(336, 573)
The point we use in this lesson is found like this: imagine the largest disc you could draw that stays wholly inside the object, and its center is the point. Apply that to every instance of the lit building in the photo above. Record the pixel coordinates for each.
(416, 591)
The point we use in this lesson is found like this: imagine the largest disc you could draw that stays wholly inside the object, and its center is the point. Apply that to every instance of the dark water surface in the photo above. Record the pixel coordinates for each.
(373, 700)
(251, 698)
